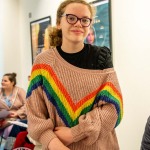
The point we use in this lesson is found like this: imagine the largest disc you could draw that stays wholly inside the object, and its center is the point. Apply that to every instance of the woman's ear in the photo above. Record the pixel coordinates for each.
(13, 83)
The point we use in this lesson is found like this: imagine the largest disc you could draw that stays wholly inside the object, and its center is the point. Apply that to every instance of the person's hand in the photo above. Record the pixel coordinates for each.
(56, 144)
(64, 134)
(13, 114)
(3, 123)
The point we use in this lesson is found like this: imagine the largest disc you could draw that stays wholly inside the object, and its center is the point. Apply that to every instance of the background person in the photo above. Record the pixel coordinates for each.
(91, 37)
(12, 100)
(145, 144)
(74, 100)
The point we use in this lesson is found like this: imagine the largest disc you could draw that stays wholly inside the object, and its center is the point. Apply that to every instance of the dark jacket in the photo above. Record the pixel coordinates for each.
(145, 144)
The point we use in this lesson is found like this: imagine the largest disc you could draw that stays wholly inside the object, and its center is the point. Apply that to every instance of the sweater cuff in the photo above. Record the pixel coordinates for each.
(46, 138)
(77, 133)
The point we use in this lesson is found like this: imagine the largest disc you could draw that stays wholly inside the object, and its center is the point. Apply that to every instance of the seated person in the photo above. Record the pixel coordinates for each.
(12, 100)
(145, 145)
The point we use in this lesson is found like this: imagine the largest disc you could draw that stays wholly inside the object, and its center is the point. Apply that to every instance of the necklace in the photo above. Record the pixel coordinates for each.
(7, 99)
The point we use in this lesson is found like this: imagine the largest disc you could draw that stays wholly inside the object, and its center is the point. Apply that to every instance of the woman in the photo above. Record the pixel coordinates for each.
(12, 102)
(74, 100)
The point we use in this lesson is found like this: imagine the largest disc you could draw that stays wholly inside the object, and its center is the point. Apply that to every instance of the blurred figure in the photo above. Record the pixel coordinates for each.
(29, 77)
(145, 145)
(91, 37)
(12, 100)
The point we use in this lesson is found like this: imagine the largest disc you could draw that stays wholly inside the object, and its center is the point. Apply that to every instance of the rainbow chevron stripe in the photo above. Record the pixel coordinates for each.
(43, 75)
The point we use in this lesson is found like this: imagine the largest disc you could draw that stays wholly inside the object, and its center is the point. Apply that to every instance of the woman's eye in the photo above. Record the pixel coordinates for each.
(71, 18)
(85, 20)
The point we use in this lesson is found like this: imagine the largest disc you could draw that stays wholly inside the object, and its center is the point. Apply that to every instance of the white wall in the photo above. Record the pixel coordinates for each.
(131, 53)
(10, 60)
(131, 35)
(1, 41)
(38, 9)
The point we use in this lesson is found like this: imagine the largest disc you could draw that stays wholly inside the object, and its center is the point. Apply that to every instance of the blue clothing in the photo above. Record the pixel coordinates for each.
(16, 129)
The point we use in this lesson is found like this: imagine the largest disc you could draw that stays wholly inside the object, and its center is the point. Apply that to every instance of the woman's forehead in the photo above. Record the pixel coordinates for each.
(75, 8)
(5, 78)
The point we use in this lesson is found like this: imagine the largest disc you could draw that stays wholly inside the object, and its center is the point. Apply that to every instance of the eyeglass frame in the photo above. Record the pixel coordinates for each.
(80, 19)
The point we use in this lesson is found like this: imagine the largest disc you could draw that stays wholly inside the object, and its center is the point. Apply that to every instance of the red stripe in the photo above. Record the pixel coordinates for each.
(66, 94)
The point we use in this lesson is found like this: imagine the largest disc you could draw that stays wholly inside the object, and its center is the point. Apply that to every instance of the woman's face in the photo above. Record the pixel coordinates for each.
(75, 33)
(6, 83)
(91, 37)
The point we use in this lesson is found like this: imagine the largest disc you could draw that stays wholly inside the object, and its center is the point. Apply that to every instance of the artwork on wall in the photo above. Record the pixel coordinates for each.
(39, 36)
(100, 31)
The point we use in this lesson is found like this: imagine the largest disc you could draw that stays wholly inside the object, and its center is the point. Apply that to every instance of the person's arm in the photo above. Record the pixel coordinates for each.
(95, 124)
(40, 123)
(107, 114)
(104, 58)
(55, 144)
(99, 122)
(40, 126)
(18, 108)
(145, 144)
(21, 112)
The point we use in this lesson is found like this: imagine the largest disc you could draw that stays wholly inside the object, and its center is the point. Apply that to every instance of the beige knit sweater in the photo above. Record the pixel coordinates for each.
(18, 101)
(87, 101)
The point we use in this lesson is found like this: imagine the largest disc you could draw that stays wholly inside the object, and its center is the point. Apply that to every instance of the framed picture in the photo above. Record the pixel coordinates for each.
(100, 34)
(39, 36)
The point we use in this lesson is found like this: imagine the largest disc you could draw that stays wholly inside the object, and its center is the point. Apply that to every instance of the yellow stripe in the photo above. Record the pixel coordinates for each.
(113, 93)
(55, 88)
(62, 98)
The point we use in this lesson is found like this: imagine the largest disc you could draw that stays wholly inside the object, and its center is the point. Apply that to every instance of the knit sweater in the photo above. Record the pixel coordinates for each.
(18, 100)
(87, 101)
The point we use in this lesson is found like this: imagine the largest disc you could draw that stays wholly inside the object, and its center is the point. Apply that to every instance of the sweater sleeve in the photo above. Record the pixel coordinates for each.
(104, 58)
(40, 124)
(95, 124)
(22, 97)
(105, 115)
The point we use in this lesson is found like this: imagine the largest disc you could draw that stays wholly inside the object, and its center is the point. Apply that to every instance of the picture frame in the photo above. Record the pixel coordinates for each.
(101, 27)
(39, 36)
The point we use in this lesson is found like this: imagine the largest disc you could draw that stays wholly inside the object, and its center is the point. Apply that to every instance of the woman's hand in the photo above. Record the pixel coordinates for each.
(56, 144)
(3, 123)
(64, 134)
(13, 114)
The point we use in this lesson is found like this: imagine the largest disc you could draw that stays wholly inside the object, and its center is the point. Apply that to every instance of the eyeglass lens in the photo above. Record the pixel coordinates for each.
(72, 19)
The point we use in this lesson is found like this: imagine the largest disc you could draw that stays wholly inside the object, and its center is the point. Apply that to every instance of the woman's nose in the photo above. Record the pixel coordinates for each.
(78, 24)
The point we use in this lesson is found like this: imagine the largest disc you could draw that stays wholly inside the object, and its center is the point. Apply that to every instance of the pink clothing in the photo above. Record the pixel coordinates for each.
(89, 102)
(18, 102)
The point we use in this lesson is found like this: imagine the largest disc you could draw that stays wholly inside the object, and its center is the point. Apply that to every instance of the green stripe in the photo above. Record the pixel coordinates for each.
(57, 99)
(33, 82)
(84, 111)
(55, 96)
(107, 93)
